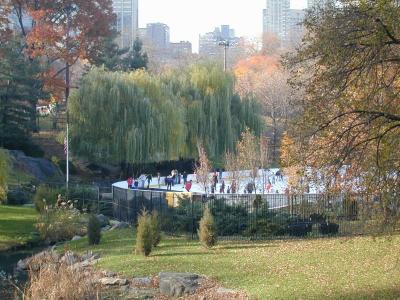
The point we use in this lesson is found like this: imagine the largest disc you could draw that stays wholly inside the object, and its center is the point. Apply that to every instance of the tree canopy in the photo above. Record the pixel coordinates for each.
(138, 117)
(349, 66)
(20, 89)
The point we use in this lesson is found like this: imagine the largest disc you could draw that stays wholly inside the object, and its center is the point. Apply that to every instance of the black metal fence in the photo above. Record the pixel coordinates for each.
(248, 215)
(91, 198)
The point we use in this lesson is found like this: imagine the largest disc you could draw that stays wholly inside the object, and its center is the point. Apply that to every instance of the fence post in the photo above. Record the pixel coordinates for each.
(191, 202)
(98, 199)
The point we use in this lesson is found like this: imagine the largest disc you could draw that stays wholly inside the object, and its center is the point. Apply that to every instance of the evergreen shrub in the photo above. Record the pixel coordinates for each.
(144, 239)
(207, 231)
(94, 230)
(155, 228)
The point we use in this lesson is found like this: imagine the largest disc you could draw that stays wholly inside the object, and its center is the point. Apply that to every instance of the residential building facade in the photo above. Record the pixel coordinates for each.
(127, 22)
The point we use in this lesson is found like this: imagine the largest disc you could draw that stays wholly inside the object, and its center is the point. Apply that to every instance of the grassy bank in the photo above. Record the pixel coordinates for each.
(16, 226)
(336, 268)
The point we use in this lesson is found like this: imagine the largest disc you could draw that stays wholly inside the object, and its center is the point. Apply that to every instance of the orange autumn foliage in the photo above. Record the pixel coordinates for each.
(249, 71)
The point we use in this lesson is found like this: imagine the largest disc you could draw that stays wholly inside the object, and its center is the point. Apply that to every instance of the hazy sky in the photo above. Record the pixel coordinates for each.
(189, 18)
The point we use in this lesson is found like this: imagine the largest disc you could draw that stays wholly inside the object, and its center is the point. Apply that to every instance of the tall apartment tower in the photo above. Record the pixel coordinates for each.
(275, 18)
(312, 3)
(158, 35)
(127, 21)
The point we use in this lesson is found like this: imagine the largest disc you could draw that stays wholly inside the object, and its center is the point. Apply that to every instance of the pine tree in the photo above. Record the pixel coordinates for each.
(207, 231)
(108, 54)
(137, 58)
(144, 238)
(20, 89)
(155, 228)
(94, 230)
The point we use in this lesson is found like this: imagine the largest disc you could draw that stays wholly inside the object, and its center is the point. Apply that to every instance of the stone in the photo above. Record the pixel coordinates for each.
(178, 284)
(104, 221)
(22, 265)
(120, 225)
(222, 290)
(76, 238)
(113, 281)
(108, 273)
(145, 281)
(105, 228)
(138, 294)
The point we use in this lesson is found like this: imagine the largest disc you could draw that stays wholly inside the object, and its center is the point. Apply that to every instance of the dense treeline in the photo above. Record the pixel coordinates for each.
(138, 117)
(20, 89)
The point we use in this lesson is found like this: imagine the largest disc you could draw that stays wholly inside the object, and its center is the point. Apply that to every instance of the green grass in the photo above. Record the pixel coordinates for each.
(16, 225)
(334, 268)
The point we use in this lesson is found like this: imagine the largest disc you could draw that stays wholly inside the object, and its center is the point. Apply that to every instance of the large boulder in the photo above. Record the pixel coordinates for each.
(178, 284)
(119, 225)
(39, 168)
(104, 221)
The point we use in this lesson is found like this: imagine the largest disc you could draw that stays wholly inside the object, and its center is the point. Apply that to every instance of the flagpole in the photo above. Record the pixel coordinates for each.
(67, 171)
(67, 164)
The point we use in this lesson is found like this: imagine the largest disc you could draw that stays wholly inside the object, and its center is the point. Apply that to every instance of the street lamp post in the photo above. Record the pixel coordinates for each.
(226, 45)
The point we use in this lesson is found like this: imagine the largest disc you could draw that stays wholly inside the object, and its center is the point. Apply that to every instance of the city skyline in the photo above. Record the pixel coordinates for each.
(188, 19)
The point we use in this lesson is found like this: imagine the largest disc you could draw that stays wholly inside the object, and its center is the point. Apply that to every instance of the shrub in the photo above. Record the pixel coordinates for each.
(4, 174)
(155, 228)
(45, 196)
(350, 208)
(51, 279)
(17, 196)
(329, 228)
(94, 230)
(264, 228)
(207, 231)
(230, 219)
(144, 239)
(60, 224)
(299, 229)
(317, 218)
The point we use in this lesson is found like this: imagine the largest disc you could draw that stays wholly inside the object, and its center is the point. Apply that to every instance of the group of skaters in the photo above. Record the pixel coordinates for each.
(177, 178)
(140, 182)
(217, 182)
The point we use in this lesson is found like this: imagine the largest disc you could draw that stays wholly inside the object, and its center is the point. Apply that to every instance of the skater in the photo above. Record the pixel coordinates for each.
(233, 187)
(184, 177)
(158, 179)
(215, 180)
(149, 178)
(222, 188)
(188, 185)
(130, 182)
(169, 181)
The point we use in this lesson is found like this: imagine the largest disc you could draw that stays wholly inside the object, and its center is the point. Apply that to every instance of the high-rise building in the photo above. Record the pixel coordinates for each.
(210, 48)
(157, 34)
(183, 48)
(295, 26)
(275, 18)
(283, 22)
(319, 3)
(127, 21)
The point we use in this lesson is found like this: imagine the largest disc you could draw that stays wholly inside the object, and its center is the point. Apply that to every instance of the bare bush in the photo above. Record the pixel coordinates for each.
(52, 279)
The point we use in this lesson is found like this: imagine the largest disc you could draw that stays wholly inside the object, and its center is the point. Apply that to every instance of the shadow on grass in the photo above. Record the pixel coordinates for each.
(386, 293)
(181, 254)
(246, 245)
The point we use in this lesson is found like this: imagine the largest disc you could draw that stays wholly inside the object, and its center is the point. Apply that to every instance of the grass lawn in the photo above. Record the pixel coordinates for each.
(334, 268)
(16, 225)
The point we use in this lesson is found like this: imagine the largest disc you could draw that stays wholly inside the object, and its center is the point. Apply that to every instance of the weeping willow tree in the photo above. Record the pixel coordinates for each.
(121, 117)
(137, 117)
(215, 115)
